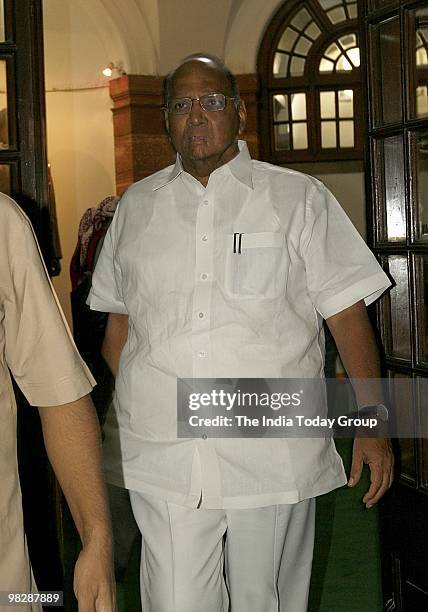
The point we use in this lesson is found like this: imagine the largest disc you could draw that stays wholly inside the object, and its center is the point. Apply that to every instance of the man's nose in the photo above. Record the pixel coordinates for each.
(197, 113)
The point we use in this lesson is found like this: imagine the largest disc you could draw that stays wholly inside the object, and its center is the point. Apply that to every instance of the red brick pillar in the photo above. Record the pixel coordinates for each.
(140, 141)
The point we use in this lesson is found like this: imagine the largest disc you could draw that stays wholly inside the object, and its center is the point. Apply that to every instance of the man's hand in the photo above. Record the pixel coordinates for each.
(377, 454)
(94, 583)
(357, 347)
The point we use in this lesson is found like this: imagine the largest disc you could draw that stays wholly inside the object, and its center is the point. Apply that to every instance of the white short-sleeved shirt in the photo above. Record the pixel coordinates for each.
(196, 309)
(36, 346)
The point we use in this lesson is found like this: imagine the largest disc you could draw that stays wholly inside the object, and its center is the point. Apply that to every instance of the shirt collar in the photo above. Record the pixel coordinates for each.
(239, 166)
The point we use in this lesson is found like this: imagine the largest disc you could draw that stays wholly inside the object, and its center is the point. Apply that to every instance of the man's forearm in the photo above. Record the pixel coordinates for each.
(73, 444)
(356, 343)
(115, 338)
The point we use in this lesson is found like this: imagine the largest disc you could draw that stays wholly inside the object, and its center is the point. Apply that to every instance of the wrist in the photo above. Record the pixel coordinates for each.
(378, 411)
(374, 418)
(98, 537)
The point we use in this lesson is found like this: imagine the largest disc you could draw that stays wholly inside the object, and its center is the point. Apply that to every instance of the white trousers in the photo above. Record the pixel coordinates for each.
(199, 560)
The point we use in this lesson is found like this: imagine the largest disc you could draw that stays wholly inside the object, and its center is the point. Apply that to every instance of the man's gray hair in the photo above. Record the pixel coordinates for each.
(213, 61)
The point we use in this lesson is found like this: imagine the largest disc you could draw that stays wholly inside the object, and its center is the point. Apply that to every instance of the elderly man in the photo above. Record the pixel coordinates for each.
(36, 346)
(185, 301)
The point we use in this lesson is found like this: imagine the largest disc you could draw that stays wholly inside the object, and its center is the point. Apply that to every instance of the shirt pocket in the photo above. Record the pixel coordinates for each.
(255, 265)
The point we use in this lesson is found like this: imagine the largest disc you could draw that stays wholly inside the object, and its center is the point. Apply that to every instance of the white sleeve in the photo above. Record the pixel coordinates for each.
(106, 291)
(341, 270)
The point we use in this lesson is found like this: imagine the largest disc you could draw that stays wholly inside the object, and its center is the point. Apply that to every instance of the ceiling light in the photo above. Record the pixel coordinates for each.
(113, 70)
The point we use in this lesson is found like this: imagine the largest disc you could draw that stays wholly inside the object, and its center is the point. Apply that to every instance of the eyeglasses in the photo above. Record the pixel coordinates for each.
(211, 103)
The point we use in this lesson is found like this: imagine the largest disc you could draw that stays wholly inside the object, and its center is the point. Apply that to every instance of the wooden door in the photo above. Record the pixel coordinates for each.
(24, 176)
(23, 165)
(396, 45)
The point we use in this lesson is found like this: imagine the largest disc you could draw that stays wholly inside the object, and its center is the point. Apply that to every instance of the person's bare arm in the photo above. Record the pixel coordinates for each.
(115, 338)
(73, 444)
(358, 350)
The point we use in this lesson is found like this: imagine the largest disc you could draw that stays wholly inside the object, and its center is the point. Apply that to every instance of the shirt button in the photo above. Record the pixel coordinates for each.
(201, 315)
(205, 202)
(204, 276)
(204, 436)
(202, 353)
(204, 238)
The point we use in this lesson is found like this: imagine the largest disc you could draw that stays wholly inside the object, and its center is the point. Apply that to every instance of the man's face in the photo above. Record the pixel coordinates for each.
(202, 136)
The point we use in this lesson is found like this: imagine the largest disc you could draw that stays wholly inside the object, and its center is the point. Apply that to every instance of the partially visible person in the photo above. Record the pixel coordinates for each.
(37, 348)
(88, 331)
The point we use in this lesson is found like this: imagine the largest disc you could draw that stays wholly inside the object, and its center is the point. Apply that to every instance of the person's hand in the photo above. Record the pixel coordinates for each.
(94, 583)
(377, 454)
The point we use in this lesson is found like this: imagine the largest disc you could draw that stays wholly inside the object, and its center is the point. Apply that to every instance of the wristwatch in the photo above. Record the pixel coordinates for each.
(380, 411)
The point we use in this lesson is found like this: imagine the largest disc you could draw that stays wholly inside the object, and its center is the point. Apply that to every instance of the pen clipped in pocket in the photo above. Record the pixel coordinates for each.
(255, 264)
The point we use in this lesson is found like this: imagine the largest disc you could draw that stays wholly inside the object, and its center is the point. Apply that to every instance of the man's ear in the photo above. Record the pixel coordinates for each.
(242, 114)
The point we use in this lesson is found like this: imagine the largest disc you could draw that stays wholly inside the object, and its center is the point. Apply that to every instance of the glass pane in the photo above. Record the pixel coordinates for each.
(313, 31)
(5, 186)
(348, 41)
(390, 166)
(389, 71)
(421, 101)
(282, 137)
(337, 15)
(326, 4)
(420, 66)
(297, 66)
(303, 46)
(300, 136)
(2, 30)
(301, 19)
(328, 104)
(343, 64)
(403, 413)
(354, 56)
(328, 134)
(326, 65)
(399, 308)
(288, 39)
(4, 128)
(422, 306)
(280, 65)
(422, 186)
(353, 11)
(298, 106)
(346, 133)
(422, 408)
(333, 52)
(346, 103)
(421, 52)
(280, 107)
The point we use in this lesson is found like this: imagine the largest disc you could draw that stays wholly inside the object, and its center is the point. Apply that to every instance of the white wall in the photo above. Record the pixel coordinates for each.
(79, 122)
(346, 181)
(349, 191)
(81, 154)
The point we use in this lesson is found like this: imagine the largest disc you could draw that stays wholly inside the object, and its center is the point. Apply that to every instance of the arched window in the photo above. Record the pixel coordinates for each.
(309, 67)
